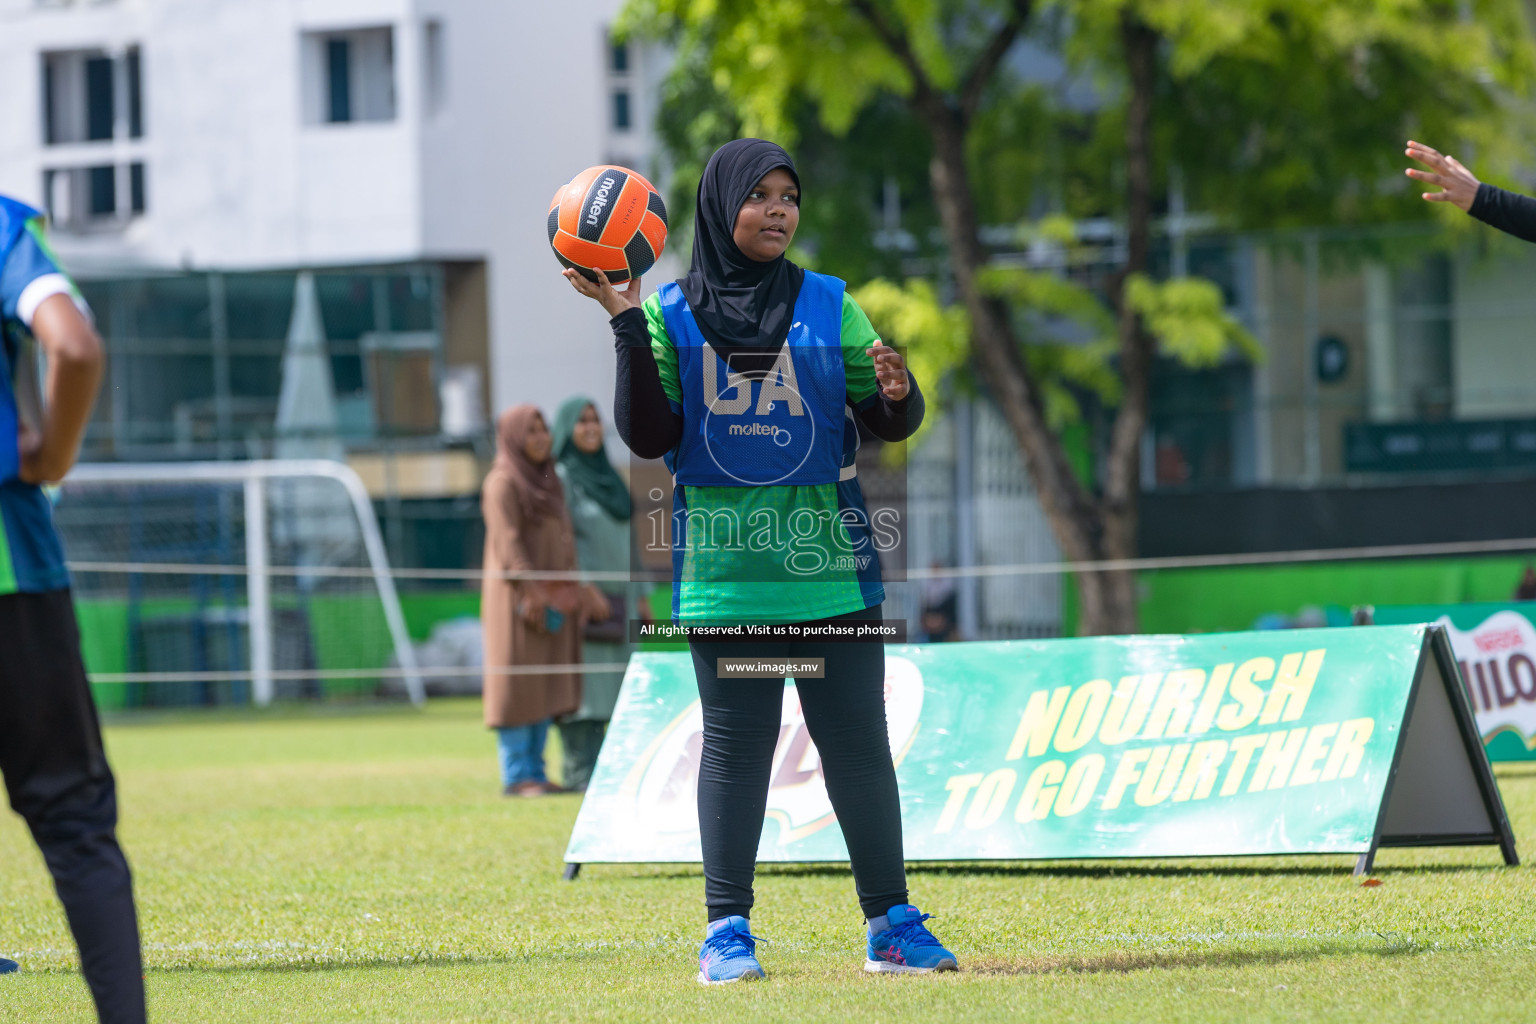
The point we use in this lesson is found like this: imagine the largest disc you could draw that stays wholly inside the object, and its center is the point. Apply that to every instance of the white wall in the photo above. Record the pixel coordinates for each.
(26, 31)
(526, 108)
(236, 178)
(1495, 335)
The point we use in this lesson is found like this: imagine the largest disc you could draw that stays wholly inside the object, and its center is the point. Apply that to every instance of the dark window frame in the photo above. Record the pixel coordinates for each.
(103, 190)
(100, 99)
(338, 80)
(136, 201)
(135, 73)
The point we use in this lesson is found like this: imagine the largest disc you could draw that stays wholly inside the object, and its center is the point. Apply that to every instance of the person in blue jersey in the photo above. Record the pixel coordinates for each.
(752, 377)
(56, 773)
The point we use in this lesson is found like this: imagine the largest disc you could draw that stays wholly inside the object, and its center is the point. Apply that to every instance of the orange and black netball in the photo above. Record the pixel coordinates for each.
(610, 219)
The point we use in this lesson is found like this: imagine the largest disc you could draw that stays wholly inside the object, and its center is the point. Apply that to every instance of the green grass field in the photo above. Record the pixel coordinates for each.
(365, 868)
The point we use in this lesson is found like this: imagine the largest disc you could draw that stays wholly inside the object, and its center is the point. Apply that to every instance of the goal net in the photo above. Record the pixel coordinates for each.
(232, 583)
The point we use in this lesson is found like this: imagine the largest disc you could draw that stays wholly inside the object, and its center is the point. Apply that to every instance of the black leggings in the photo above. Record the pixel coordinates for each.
(845, 713)
(58, 780)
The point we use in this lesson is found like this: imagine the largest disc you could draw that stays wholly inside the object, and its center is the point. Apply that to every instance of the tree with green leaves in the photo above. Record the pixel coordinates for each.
(1270, 113)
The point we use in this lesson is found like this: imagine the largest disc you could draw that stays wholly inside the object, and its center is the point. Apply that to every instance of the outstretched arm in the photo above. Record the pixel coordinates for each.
(1507, 211)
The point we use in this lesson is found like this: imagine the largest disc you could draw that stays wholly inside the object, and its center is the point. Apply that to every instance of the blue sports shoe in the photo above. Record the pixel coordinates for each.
(907, 946)
(728, 952)
(8, 966)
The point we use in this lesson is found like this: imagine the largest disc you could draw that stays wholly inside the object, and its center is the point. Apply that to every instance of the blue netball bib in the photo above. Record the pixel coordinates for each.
(751, 427)
(14, 217)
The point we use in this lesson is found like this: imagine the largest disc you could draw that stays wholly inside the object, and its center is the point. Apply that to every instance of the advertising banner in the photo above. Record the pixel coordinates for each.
(1495, 646)
(1302, 741)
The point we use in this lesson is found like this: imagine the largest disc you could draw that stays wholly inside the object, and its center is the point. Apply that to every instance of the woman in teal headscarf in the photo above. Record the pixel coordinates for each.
(600, 510)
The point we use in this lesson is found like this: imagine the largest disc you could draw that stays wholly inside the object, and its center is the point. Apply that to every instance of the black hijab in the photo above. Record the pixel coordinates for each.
(737, 301)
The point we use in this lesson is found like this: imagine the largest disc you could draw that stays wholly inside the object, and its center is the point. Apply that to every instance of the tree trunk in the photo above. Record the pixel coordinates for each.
(996, 350)
(1086, 528)
(1105, 600)
(1121, 499)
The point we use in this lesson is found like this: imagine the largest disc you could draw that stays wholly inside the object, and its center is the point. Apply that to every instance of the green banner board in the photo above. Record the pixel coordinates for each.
(1151, 746)
(1495, 647)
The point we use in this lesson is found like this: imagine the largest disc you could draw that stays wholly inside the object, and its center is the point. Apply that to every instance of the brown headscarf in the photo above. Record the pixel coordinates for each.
(538, 487)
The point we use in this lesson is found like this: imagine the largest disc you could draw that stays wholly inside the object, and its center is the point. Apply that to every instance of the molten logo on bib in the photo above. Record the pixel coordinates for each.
(664, 785)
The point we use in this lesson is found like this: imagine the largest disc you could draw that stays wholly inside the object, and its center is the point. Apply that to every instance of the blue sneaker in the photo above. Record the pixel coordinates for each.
(728, 953)
(8, 966)
(906, 946)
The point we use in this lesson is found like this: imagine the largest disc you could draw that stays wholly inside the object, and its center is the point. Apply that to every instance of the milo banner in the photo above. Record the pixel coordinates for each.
(1495, 646)
(1301, 741)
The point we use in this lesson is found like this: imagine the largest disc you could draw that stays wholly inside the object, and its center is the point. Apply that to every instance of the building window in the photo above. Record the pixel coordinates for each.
(99, 116)
(92, 96)
(96, 197)
(435, 72)
(349, 76)
(198, 360)
(338, 70)
(135, 96)
(103, 190)
(621, 95)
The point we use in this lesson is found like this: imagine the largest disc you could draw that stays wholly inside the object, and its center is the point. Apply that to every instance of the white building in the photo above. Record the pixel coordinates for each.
(175, 136)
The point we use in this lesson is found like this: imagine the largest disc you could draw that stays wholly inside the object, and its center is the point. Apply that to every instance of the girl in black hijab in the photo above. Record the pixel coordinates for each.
(738, 301)
(745, 315)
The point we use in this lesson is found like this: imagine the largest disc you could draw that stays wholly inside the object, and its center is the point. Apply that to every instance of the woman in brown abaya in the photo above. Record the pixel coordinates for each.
(529, 622)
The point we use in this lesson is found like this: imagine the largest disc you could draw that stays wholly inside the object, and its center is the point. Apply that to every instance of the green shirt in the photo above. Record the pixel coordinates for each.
(744, 581)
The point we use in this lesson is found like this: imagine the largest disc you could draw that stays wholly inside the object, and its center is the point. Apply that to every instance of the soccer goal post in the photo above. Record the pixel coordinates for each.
(158, 552)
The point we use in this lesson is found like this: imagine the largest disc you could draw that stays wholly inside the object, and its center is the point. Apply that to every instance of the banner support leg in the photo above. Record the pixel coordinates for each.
(1364, 862)
(570, 873)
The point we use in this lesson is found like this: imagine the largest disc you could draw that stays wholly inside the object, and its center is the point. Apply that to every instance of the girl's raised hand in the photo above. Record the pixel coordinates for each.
(613, 300)
(890, 371)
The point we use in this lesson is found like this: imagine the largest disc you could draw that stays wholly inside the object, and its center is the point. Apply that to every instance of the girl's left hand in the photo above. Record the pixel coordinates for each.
(890, 371)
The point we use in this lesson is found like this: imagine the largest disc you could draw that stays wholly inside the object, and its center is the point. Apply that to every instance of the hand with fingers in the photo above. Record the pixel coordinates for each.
(890, 371)
(1459, 185)
(613, 300)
